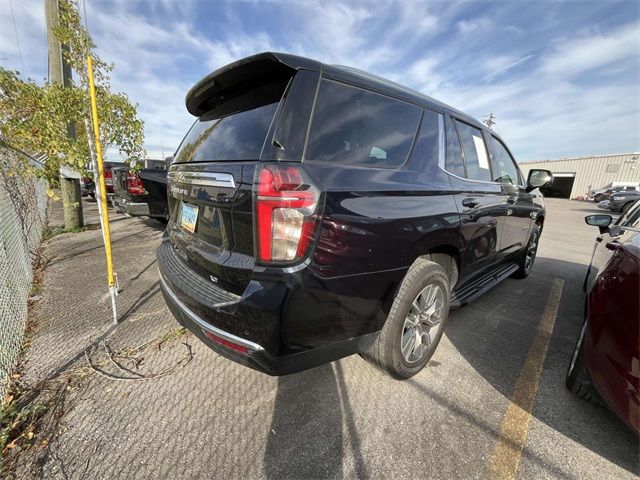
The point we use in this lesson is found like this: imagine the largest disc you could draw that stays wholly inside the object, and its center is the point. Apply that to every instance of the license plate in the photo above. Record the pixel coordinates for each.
(189, 217)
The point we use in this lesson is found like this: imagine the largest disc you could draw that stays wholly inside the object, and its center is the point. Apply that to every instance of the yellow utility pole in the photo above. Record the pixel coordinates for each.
(104, 214)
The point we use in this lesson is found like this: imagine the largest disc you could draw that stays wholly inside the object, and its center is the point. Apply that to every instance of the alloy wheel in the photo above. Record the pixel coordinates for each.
(422, 323)
(532, 249)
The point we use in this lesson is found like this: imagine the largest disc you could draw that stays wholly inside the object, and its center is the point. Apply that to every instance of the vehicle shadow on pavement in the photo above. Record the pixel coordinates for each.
(305, 438)
(494, 335)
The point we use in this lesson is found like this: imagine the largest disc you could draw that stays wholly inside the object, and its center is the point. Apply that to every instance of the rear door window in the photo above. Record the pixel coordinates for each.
(354, 126)
(504, 168)
(475, 152)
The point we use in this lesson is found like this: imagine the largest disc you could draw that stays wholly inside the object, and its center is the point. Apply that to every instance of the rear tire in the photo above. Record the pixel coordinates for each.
(415, 323)
(528, 257)
(577, 380)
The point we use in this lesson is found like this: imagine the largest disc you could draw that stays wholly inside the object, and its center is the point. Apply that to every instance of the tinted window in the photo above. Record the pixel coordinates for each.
(427, 145)
(454, 161)
(239, 136)
(504, 169)
(351, 125)
(475, 152)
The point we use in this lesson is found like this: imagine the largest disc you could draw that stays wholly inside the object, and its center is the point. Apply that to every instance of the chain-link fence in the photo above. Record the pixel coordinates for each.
(23, 201)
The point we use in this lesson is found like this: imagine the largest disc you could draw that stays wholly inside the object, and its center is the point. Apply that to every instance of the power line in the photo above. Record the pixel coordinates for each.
(15, 29)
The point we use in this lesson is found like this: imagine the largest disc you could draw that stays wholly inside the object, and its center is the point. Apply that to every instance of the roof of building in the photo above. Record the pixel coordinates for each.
(590, 157)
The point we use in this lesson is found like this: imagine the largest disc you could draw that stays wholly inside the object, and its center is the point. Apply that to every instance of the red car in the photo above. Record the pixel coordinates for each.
(108, 176)
(605, 366)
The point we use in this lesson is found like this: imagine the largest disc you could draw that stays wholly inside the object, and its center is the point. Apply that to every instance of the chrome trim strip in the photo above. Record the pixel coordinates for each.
(203, 178)
(441, 143)
(283, 199)
(470, 179)
(204, 325)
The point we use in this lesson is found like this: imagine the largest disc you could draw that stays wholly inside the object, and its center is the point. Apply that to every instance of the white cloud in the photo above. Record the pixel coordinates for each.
(555, 103)
(473, 24)
(578, 55)
(30, 24)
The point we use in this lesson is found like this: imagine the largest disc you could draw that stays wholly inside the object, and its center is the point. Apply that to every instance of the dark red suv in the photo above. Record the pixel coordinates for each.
(317, 211)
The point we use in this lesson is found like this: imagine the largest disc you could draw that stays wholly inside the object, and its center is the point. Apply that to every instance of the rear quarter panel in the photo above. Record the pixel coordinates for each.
(380, 219)
(376, 222)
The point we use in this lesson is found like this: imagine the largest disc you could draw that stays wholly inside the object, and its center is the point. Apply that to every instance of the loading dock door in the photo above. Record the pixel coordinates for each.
(562, 185)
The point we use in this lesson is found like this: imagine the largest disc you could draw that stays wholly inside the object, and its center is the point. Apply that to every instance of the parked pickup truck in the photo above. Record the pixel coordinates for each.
(142, 193)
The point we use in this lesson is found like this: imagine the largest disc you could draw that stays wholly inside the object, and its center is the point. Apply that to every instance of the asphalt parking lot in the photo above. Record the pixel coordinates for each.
(197, 415)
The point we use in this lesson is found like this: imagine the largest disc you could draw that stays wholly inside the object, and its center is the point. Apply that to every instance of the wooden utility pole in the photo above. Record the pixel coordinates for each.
(60, 72)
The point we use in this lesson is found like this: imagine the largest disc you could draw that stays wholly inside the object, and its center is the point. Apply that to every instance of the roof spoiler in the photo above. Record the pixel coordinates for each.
(241, 76)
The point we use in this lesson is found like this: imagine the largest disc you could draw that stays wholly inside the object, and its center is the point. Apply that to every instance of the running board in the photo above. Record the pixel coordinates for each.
(468, 292)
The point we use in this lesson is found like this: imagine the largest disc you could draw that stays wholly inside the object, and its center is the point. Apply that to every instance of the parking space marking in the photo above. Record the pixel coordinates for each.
(514, 428)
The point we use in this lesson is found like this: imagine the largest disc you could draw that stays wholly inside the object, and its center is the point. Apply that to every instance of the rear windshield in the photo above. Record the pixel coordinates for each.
(355, 126)
(238, 136)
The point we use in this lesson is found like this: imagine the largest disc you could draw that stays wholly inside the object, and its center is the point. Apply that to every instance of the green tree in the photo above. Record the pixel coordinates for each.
(35, 118)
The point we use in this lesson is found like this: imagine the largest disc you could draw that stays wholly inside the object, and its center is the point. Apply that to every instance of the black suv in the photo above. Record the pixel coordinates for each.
(318, 211)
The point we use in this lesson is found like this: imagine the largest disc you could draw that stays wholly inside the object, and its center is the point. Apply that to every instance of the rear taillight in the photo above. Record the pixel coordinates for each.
(286, 213)
(226, 343)
(135, 185)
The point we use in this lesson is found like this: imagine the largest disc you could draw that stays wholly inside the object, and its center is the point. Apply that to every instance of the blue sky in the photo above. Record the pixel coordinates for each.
(562, 78)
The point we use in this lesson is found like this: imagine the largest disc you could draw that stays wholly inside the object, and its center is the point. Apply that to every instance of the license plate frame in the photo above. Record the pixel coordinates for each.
(189, 217)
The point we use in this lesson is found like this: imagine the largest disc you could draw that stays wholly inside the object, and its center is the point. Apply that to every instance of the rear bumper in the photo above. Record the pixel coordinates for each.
(136, 209)
(251, 354)
(254, 329)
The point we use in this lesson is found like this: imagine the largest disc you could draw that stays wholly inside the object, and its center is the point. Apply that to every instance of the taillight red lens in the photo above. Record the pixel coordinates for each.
(135, 185)
(286, 204)
(226, 343)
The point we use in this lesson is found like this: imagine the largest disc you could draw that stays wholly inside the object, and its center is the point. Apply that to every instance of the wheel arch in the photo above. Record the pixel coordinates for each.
(448, 257)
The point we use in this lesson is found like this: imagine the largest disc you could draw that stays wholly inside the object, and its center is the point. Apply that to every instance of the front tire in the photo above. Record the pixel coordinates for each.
(577, 380)
(415, 323)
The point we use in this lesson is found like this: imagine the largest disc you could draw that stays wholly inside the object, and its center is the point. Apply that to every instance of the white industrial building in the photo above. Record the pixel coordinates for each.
(573, 177)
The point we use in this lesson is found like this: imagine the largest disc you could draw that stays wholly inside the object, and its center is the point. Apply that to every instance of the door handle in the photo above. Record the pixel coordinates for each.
(469, 202)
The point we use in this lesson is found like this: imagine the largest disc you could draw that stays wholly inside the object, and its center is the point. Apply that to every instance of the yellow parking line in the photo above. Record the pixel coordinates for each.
(505, 459)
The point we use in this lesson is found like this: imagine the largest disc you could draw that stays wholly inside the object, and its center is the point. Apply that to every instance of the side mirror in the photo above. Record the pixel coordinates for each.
(539, 179)
(600, 221)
